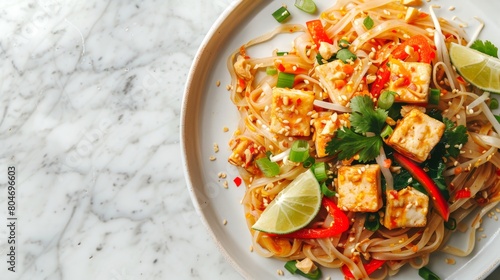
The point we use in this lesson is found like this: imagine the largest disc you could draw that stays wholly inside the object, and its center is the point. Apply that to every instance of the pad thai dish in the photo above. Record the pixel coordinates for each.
(366, 144)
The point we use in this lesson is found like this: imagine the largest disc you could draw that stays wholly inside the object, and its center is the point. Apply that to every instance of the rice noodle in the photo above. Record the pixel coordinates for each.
(263, 128)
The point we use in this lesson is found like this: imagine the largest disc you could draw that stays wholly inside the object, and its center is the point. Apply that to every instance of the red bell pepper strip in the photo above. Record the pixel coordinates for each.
(317, 32)
(420, 44)
(463, 193)
(383, 75)
(440, 203)
(339, 225)
(370, 267)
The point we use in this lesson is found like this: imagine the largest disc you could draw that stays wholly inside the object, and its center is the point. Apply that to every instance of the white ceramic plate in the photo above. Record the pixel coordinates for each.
(207, 109)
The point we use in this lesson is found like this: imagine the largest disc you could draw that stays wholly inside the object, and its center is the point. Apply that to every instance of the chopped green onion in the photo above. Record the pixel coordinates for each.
(451, 224)
(427, 274)
(285, 80)
(281, 53)
(292, 268)
(386, 99)
(322, 61)
(308, 162)
(281, 14)
(271, 70)
(344, 44)
(386, 131)
(307, 6)
(319, 170)
(368, 22)
(434, 96)
(268, 168)
(497, 117)
(372, 222)
(493, 104)
(299, 151)
(326, 191)
(346, 55)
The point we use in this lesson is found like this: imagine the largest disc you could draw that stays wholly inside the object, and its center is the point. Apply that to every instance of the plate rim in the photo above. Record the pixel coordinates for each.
(189, 157)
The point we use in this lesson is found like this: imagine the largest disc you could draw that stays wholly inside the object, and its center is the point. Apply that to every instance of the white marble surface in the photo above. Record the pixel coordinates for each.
(89, 117)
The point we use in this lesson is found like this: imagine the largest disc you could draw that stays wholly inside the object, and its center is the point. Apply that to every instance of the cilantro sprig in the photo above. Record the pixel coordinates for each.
(485, 47)
(363, 138)
(454, 137)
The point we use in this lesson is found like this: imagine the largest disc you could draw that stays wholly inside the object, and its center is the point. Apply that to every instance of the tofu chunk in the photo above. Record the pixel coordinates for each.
(290, 112)
(306, 265)
(329, 73)
(324, 128)
(406, 208)
(244, 153)
(359, 188)
(416, 135)
(410, 80)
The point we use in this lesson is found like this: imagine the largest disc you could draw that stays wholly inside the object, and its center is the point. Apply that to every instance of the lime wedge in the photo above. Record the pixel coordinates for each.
(307, 6)
(293, 208)
(477, 68)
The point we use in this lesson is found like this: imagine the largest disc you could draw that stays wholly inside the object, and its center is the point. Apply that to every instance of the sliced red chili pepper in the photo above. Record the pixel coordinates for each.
(317, 32)
(463, 193)
(339, 225)
(420, 44)
(440, 203)
(237, 181)
(370, 267)
(383, 75)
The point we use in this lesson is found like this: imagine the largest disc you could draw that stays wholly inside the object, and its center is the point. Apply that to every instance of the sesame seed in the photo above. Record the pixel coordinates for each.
(212, 158)
(226, 185)
(224, 222)
(217, 83)
(280, 272)
(251, 248)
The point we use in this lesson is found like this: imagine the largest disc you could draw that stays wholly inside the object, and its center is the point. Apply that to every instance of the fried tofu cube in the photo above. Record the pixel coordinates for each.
(244, 153)
(416, 135)
(331, 73)
(406, 208)
(290, 112)
(359, 188)
(410, 80)
(324, 128)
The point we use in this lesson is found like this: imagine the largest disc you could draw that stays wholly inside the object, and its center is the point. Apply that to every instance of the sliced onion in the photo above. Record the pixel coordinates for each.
(381, 158)
(331, 106)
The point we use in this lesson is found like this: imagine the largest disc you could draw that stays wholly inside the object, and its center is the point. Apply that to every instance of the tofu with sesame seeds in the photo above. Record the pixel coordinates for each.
(329, 74)
(410, 80)
(406, 208)
(244, 153)
(324, 128)
(359, 188)
(290, 112)
(416, 135)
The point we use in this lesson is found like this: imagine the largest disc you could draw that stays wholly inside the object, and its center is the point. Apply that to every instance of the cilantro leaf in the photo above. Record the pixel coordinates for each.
(454, 137)
(368, 22)
(485, 47)
(364, 117)
(347, 144)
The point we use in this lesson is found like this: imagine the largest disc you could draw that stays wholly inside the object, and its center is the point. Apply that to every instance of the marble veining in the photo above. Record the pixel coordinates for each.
(89, 117)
